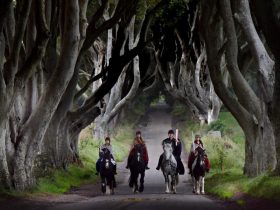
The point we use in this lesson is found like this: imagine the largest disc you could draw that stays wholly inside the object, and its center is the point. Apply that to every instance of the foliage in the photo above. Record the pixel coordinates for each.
(179, 110)
(217, 126)
(61, 181)
(224, 153)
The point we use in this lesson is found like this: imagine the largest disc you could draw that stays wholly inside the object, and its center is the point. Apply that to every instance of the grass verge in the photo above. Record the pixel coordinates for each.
(62, 181)
(227, 155)
(231, 183)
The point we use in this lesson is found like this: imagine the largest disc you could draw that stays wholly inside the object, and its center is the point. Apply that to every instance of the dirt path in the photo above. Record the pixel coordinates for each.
(153, 197)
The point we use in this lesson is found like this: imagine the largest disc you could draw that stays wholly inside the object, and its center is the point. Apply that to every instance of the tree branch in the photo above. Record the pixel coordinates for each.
(90, 81)
(242, 89)
(214, 48)
(4, 10)
(265, 63)
(93, 32)
(12, 62)
(117, 64)
(38, 50)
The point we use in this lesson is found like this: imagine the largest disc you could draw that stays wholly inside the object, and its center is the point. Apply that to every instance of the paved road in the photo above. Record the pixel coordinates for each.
(154, 196)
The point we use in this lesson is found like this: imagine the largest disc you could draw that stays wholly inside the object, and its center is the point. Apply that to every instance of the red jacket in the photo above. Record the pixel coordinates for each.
(192, 157)
(145, 155)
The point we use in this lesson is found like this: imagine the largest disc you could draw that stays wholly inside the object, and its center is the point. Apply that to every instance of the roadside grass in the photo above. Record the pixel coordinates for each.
(230, 183)
(227, 155)
(62, 181)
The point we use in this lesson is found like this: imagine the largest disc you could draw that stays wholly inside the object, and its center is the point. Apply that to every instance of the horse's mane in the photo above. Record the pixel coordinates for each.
(107, 153)
(200, 150)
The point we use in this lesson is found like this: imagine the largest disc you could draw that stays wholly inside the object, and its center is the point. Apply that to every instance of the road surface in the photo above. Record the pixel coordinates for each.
(153, 197)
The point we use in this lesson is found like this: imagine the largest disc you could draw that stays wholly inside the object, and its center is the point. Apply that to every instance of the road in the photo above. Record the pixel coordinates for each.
(153, 197)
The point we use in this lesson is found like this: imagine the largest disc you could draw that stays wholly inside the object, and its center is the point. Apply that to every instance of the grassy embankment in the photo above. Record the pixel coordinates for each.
(61, 181)
(226, 179)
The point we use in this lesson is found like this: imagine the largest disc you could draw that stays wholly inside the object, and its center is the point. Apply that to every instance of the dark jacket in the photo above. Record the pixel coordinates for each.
(177, 149)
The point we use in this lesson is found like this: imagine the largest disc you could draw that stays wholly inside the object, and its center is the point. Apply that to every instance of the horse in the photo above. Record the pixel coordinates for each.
(107, 172)
(169, 168)
(198, 171)
(137, 167)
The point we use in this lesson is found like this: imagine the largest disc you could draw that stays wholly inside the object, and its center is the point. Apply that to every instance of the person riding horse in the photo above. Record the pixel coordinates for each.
(177, 149)
(197, 143)
(137, 162)
(108, 146)
(107, 171)
(138, 141)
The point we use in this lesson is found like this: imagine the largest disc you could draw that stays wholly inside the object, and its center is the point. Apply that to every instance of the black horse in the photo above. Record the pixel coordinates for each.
(198, 171)
(137, 167)
(107, 172)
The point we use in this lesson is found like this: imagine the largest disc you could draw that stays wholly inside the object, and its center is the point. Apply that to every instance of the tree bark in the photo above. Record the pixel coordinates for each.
(267, 19)
(31, 135)
(258, 138)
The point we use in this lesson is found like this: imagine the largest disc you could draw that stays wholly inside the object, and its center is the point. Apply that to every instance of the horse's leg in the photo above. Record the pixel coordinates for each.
(198, 185)
(103, 185)
(141, 189)
(173, 184)
(177, 179)
(193, 183)
(131, 179)
(202, 186)
(167, 183)
(136, 182)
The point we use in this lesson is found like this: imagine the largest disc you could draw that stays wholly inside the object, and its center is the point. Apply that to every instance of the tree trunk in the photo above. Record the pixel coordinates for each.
(215, 105)
(259, 153)
(5, 177)
(268, 19)
(31, 135)
(259, 150)
(276, 113)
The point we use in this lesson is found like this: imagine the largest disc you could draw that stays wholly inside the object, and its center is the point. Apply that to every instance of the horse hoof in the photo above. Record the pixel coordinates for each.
(193, 191)
(167, 192)
(197, 193)
(203, 193)
(141, 189)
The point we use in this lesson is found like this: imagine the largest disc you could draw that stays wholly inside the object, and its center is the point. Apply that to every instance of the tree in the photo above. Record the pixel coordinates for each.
(38, 79)
(247, 106)
(181, 60)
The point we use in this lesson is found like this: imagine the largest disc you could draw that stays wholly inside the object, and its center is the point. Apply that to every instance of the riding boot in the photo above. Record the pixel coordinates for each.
(159, 162)
(114, 182)
(115, 169)
(97, 165)
(146, 166)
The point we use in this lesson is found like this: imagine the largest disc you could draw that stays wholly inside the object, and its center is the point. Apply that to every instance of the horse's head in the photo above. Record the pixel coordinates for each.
(106, 153)
(201, 154)
(167, 148)
(138, 151)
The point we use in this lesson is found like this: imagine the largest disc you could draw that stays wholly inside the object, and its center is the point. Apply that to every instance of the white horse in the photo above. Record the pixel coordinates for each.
(169, 167)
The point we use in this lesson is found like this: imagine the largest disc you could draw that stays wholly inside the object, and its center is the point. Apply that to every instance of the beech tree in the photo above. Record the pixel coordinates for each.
(42, 49)
(248, 106)
(181, 61)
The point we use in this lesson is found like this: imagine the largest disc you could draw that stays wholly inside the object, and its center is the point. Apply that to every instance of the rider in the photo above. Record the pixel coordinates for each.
(195, 144)
(108, 146)
(138, 140)
(177, 149)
